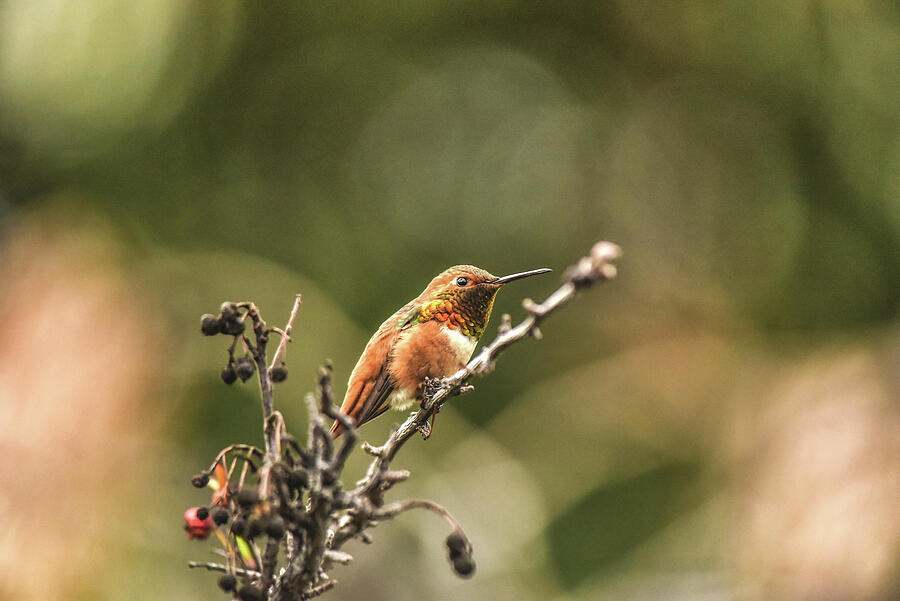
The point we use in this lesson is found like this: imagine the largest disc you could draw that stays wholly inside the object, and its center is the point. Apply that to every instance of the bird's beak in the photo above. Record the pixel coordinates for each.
(517, 276)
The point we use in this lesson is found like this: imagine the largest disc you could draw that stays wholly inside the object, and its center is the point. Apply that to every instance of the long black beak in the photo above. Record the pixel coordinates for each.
(518, 276)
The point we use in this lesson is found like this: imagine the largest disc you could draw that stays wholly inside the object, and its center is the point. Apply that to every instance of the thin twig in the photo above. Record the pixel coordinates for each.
(286, 333)
(217, 567)
(235, 447)
(395, 509)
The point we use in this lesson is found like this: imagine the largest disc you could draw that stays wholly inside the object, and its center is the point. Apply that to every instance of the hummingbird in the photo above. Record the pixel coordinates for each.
(431, 336)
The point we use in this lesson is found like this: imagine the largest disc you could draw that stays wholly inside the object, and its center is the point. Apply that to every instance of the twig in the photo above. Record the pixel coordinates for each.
(395, 509)
(328, 408)
(318, 590)
(250, 449)
(217, 567)
(286, 333)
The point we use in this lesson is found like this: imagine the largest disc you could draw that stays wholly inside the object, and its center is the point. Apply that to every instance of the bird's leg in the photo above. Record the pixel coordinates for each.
(427, 429)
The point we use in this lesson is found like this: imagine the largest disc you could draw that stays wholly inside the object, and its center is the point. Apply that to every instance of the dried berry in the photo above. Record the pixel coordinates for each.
(227, 582)
(239, 526)
(464, 566)
(230, 321)
(278, 373)
(202, 513)
(247, 498)
(196, 526)
(200, 480)
(249, 593)
(275, 527)
(228, 375)
(220, 516)
(209, 325)
(254, 529)
(456, 542)
(244, 368)
(228, 310)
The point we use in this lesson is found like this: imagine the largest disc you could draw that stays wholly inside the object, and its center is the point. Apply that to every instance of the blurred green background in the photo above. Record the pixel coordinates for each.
(720, 422)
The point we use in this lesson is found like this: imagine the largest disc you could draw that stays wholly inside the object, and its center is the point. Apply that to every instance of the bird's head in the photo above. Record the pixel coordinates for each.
(463, 296)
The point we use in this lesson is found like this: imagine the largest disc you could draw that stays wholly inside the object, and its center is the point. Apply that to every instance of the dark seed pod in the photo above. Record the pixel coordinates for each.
(464, 566)
(328, 477)
(228, 311)
(209, 325)
(278, 373)
(229, 320)
(202, 513)
(234, 327)
(220, 516)
(247, 498)
(228, 375)
(239, 526)
(227, 582)
(254, 529)
(456, 542)
(200, 480)
(244, 368)
(249, 593)
(275, 527)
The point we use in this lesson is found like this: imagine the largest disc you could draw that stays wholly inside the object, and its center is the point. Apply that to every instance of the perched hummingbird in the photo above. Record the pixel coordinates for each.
(432, 336)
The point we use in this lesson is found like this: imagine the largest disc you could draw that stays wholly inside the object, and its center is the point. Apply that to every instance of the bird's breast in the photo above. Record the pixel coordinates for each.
(429, 350)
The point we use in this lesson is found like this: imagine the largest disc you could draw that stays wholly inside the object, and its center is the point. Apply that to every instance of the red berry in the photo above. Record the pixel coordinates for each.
(195, 526)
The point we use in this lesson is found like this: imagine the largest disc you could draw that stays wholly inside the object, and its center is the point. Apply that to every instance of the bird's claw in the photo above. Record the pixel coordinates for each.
(425, 430)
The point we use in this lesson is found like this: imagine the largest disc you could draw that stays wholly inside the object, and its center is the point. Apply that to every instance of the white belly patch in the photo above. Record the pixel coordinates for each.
(401, 400)
(461, 344)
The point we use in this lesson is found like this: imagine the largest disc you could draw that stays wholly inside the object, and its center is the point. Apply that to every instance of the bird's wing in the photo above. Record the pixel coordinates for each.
(375, 401)
(370, 383)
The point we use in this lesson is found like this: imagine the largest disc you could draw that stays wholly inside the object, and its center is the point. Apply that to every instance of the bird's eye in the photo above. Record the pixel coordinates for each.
(462, 281)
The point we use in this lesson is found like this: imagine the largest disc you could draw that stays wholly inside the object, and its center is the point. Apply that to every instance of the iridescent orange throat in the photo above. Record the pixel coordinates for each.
(466, 310)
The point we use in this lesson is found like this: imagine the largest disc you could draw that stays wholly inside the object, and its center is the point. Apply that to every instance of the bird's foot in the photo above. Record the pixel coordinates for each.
(427, 428)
